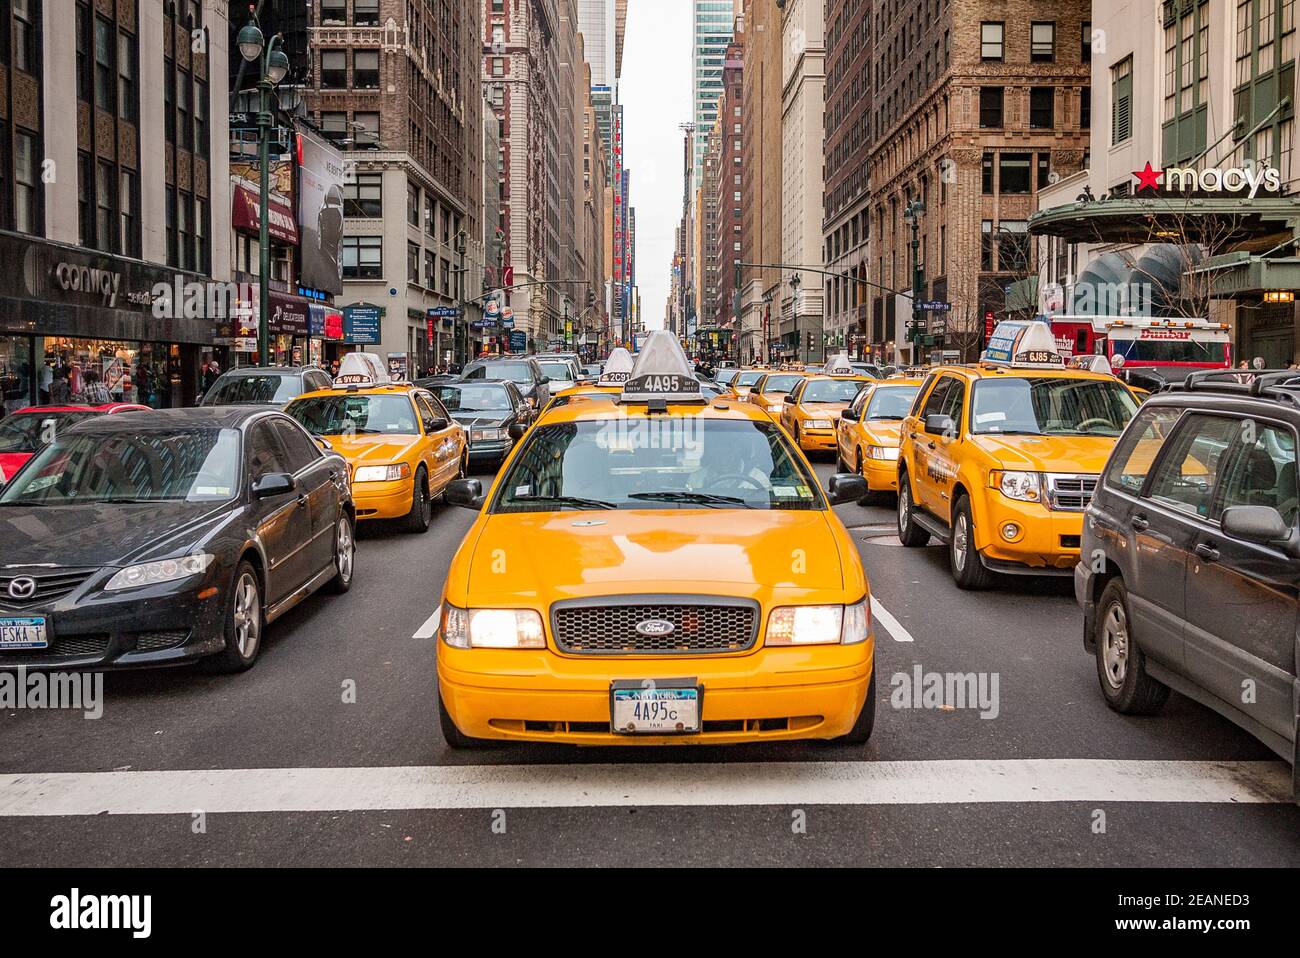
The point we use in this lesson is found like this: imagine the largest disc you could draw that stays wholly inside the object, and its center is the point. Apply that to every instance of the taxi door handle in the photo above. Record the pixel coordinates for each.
(1140, 523)
(1208, 552)
(931, 444)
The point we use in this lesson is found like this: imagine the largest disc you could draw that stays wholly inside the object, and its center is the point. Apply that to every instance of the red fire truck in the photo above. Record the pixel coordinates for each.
(1170, 347)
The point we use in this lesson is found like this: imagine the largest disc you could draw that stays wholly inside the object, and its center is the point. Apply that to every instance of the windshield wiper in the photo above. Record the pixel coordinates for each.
(695, 498)
(576, 502)
(886, 418)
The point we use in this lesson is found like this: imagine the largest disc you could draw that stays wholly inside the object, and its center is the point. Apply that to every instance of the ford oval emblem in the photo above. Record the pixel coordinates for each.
(653, 627)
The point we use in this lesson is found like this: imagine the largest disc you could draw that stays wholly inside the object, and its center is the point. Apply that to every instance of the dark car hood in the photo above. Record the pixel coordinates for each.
(481, 419)
(105, 534)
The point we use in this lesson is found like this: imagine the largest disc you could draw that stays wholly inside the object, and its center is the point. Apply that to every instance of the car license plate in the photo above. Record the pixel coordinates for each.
(26, 633)
(655, 707)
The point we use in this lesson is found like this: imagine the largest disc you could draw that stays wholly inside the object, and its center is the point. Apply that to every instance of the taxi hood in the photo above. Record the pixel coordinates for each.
(887, 431)
(362, 450)
(1068, 454)
(561, 555)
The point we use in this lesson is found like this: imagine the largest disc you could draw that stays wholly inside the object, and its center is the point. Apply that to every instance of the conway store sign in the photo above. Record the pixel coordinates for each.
(1245, 181)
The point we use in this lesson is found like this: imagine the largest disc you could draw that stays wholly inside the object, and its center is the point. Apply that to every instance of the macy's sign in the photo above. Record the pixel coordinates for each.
(1234, 179)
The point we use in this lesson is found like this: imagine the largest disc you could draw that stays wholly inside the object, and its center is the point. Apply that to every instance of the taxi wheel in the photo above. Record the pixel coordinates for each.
(243, 624)
(1121, 666)
(909, 533)
(345, 556)
(967, 569)
(421, 514)
(454, 736)
(860, 734)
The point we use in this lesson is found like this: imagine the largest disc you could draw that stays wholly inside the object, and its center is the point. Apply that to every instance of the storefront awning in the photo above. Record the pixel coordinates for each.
(1130, 219)
(1235, 274)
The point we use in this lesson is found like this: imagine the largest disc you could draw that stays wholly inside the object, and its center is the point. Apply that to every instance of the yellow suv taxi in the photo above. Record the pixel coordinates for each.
(401, 444)
(812, 410)
(999, 460)
(869, 434)
(770, 392)
(656, 569)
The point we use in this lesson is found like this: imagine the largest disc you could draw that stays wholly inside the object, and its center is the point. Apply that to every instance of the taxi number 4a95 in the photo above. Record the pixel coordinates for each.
(663, 384)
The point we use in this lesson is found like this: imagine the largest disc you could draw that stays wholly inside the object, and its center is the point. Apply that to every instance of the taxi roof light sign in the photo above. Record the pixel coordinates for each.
(1028, 343)
(662, 373)
(617, 369)
(362, 369)
(839, 366)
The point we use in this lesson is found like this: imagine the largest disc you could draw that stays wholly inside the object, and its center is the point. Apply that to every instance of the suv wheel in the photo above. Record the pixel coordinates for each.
(909, 533)
(1121, 666)
(967, 569)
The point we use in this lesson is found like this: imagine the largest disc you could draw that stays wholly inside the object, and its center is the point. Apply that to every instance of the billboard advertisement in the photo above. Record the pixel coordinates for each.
(320, 214)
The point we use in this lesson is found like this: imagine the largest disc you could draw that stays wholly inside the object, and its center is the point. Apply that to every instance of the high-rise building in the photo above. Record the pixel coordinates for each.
(602, 34)
(712, 27)
(729, 187)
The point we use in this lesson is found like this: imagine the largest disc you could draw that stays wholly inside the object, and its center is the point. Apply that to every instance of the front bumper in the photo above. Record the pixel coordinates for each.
(817, 440)
(141, 628)
(881, 474)
(767, 694)
(1048, 540)
(383, 500)
(490, 450)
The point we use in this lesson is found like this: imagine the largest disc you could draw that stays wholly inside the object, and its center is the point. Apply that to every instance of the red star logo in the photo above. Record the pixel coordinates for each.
(1148, 179)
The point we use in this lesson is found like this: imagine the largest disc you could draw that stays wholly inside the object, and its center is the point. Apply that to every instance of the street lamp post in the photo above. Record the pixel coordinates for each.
(275, 66)
(912, 215)
(795, 283)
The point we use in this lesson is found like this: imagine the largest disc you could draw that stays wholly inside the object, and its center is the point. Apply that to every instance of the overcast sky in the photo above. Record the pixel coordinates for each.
(656, 96)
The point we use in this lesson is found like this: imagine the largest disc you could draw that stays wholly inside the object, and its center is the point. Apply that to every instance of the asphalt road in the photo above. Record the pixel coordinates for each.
(1049, 777)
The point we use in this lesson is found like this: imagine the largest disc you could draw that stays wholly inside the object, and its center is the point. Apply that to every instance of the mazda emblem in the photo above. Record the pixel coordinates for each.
(23, 587)
(652, 627)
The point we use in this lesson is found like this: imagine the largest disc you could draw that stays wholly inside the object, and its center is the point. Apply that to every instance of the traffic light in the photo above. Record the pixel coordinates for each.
(591, 298)
(810, 340)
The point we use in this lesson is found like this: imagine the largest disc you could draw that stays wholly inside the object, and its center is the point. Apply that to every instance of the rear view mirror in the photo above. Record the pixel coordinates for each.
(466, 493)
(1258, 524)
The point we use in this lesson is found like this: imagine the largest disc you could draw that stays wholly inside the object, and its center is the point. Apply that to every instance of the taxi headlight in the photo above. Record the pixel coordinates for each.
(1023, 486)
(398, 470)
(882, 452)
(820, 424)
(152, 573)
(778, 406)
(492, 628)
(819, 624)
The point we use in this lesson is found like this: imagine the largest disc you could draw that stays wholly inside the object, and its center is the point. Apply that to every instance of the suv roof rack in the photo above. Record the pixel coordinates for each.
(1280, 384)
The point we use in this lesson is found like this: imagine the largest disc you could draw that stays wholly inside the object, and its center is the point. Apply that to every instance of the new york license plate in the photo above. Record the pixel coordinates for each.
(24, 633)
(655, 709)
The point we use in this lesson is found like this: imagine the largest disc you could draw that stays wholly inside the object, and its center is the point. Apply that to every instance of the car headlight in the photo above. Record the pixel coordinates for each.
(882, 452)
(398, 470)
(778, 406)
(820, 424)
(819, 624)
(492, 628)
(164, 570)
(1023, 486)
(489, 435)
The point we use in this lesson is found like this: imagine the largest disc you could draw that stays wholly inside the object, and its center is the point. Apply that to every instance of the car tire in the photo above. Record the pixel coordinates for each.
(1121, 665)
(243, 623)
(909, 533)
(860, 734)
(421, 514)
(454, 737)
(968, 571)
(345, 555)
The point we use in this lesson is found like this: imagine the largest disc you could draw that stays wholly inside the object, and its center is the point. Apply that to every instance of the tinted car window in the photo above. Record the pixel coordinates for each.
(265, 454)
(1189, 474)
(1137, 451)
(299, 450)
(29, 431)
(938, 400)
(254, 390)
(355, 415)
(916, 405)
(515, 372)
(485, 398)
(1263, 473)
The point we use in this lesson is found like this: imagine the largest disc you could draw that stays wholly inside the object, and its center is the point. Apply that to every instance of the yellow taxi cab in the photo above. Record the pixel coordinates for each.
(659, 569)
(743, 381)
(869, 433)
(811, 411)
(617, 370)
(769, 392)
(999, 459)
(401, 444)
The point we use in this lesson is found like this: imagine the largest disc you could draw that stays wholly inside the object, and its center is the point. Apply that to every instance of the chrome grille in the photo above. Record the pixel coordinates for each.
(51, 585)
(1070, 493)
(701, 624)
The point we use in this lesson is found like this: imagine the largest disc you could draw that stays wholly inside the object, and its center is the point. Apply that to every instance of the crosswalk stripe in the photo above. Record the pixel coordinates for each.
(891, 624)
(573, 786)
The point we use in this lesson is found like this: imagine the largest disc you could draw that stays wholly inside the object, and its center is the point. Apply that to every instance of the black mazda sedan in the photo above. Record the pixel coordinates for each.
(162, 537)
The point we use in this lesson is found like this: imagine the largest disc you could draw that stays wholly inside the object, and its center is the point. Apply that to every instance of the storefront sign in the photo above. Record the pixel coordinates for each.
(245, 213)
(1250, 180)
(84, 279)
(288, 316)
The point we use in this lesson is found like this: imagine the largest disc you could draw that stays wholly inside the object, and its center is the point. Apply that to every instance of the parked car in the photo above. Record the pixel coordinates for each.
(495, 415)
(523, 371)
(169, 536)
(24, 432)
(562, 372)
(1187, 575)
(265, 385)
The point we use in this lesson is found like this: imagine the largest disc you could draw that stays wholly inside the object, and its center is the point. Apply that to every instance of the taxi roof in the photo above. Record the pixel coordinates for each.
(602, 407)
(985, 371)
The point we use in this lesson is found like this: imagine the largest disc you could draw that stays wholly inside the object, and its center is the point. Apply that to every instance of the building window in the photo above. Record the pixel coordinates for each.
(173, 257)
(986, 174)
(365, 13)
(333, 13)
(363, 257)
(363, 195)
(365, 129)
(1085, 42)
(1187, 68)
(1121, 98)
(85, 207)
(1042, 42)
(986, 246)
(104, 81)
(1042, 107)
(26, 182)
(105, 208)
(85, 79)
(1013, 173)
(413, 204)
(24, 35)
(991, 107)
(1044, 170)
(334, 69)
(1085, 107)
(126, 76)
(200, 118)
(202, 256)
(991, 36)
(169, 101)
(334, 125)
(126, 212)
(365, 69)
(413, 263)
(184, 125)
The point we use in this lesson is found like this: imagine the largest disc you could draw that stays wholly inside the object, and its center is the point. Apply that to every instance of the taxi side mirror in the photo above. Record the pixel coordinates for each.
(517, 430)
(941, 424)
(466, 493)
(846, 487)
(437, 424)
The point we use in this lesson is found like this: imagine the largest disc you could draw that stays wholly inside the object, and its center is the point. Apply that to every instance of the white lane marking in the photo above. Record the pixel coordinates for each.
(575, 786)
(430, 627)
(891, 624)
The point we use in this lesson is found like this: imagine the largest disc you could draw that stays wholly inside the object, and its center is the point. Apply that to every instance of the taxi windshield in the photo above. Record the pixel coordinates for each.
(486, 398)
(780, 384)
(29, 431)
(1051, 406)
(668, 462)
(891, 402)
(351, 414)
(831, 390)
